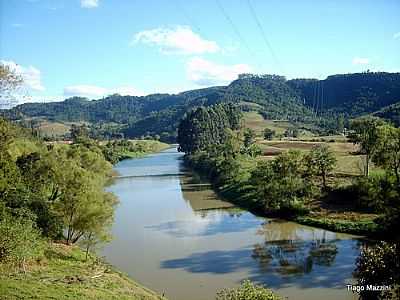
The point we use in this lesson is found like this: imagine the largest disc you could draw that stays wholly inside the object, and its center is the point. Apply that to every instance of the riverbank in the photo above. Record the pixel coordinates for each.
(315, 213)
(64, 273)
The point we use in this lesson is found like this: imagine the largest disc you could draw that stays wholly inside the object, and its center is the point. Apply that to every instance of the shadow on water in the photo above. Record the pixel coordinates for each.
(305, 264)
(293, 256)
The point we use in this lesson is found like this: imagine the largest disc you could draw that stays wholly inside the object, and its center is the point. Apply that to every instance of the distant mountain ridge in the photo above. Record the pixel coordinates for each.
(272, 95)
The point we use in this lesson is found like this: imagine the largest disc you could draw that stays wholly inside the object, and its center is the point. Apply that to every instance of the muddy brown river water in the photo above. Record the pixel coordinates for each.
(173, 235)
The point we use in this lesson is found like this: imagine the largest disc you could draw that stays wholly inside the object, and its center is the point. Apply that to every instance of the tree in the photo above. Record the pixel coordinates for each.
(83, 204)
(206, 126)
(269, 134)
(365, 133)
(79, 133)
(340, 124)
(321, 160)
(9, 81)
(292, 132)
(249, 137)
(388, 150)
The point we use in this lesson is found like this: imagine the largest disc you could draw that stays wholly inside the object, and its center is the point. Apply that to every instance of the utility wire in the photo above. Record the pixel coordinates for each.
(235, 29)
(188, 17)
(264, 36)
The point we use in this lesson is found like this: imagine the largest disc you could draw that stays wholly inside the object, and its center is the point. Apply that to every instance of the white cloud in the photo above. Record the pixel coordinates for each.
(396, 35)
(92, 91)
(206, 73)
(179, 40)
(30, 75)
(360, 61)
(89, 3)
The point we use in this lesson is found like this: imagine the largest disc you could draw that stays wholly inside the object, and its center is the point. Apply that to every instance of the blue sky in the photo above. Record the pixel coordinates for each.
(97, 47)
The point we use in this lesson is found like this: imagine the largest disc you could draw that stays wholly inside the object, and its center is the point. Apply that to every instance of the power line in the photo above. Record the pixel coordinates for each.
(264, 36)
(235, 29)
(190, 20)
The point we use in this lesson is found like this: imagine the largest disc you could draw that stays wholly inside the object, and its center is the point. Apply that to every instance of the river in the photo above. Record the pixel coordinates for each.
(173, 235)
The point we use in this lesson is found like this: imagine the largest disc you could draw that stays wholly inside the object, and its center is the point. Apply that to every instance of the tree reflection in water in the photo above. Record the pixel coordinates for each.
(290, 250)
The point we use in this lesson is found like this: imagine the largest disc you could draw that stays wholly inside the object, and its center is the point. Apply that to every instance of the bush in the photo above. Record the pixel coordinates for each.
(379, 265)
(247, 291)
(373, 193)
(19, 240)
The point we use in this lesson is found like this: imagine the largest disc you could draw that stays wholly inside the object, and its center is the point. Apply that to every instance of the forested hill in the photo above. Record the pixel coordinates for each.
(351, 94)
(272, 95)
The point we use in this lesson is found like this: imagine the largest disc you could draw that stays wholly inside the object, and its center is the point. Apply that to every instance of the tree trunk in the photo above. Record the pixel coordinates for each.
(324, 180)
(367, 165)
(88, 246)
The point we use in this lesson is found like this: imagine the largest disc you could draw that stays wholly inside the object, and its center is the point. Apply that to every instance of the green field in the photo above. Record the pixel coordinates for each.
(349, 162)
(256, 121)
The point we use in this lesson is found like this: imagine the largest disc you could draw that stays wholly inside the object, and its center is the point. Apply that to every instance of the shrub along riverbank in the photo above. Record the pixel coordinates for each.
(297, 185)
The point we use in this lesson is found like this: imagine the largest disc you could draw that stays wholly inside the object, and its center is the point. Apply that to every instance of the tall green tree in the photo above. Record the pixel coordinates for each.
(388, 150)
(365, 133)
(320, 161)
(206, 126)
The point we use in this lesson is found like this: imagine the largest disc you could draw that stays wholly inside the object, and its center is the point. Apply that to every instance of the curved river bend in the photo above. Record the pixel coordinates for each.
(174, 235)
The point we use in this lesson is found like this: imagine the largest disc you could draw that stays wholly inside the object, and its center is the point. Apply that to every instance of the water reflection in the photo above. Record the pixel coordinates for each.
(199, 195)
(209, 222)
(172, 228)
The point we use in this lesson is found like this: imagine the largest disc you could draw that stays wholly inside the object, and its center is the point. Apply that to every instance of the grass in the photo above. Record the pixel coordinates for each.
(64, 274)
(256, 121)
(53, 129)
(361, 227)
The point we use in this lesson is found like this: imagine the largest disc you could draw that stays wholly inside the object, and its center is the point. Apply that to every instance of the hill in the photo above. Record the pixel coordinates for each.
(312, 101)
(349, 94)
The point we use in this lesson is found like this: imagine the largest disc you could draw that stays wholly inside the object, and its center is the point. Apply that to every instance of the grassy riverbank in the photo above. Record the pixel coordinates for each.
(64, 273)
(317, 212)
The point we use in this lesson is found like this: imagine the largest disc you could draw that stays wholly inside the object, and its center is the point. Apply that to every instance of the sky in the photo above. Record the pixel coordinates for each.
(93, 48)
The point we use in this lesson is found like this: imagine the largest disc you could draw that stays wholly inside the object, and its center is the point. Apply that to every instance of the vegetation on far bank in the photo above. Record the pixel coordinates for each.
(298, 184)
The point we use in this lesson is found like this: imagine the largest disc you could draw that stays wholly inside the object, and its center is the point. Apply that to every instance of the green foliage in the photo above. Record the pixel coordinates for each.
(280, 185)
(374, 193)
(388, 152)
(115, 151)
(204, 127)
(320, 161)
(247, 291)
(269, 134)
(292, 132)
(365, 133)
(61, 186)
(249, 137)
(9, 81)
(350, 94)
(379, 265)
(354, 227)
(19, 240)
